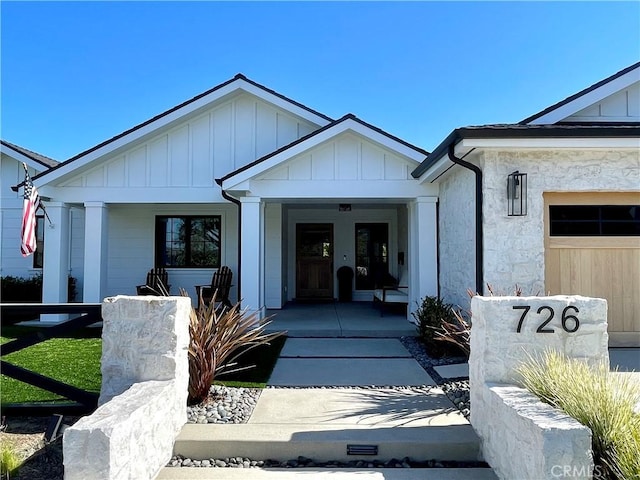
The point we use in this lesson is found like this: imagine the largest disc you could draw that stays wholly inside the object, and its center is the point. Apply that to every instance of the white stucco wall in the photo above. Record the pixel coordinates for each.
(457, 232)
(514, 246)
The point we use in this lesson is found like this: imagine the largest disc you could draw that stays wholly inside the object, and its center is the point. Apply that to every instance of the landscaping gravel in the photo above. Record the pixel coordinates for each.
(304, 462)
(225, 405)
(457, 389)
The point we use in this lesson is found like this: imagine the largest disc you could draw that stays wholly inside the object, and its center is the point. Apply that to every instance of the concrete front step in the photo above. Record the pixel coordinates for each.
(327, 442)
(327, 474)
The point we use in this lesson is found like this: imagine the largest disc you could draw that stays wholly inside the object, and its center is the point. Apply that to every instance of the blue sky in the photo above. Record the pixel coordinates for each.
(76, 73)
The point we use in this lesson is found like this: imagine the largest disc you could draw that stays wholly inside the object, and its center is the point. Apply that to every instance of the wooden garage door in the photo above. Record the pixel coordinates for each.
(592, 248)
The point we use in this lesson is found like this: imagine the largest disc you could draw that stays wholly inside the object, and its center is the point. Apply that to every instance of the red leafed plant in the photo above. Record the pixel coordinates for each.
(219, 335)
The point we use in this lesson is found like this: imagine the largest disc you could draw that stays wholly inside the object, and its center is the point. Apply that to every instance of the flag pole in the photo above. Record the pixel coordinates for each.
(40, 204)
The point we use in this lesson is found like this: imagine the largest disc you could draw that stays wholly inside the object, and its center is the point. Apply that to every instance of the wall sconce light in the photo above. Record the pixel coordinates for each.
(517, 194)
(344, 207)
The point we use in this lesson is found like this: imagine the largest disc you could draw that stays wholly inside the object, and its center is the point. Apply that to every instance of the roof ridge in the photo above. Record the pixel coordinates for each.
(237, 77)
(347, 116)
(35, 156)
(582, 92)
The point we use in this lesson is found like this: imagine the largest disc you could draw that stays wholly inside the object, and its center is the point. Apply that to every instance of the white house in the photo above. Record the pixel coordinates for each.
(245, 177)
(284, 195)
(574, 228)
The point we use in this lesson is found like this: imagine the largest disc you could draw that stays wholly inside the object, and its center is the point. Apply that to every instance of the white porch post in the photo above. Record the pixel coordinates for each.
(423, 251)
(273, 256)
(252, 251)
(55, 269)
(95, 251)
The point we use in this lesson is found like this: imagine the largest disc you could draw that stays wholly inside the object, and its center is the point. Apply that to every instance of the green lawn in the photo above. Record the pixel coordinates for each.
(76, 361)
(260, 361)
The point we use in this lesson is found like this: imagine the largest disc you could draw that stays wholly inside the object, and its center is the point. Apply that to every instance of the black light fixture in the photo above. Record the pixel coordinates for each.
(517, 194)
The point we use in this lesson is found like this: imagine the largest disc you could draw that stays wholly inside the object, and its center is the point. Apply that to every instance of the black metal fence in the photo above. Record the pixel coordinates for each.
(79, 402)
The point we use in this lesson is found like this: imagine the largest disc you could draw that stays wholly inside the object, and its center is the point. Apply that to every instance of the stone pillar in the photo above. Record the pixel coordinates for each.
(423, 251)
(497, 348)
(145, 375)
(55, 271)
(144, 338)
(522, 437)
(252, 251)
(95, 251)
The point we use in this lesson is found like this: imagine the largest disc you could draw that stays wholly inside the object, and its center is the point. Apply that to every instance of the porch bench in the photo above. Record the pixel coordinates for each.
(397, 293)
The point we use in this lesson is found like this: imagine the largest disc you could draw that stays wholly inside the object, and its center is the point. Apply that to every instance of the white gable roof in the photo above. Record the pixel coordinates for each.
(172, 117)
(614, 99)
(348, 153)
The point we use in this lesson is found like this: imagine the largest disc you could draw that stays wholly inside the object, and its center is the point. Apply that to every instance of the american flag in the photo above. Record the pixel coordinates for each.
(29, 207)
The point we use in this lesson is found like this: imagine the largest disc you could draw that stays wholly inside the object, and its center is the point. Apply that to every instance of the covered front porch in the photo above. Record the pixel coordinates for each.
(339, 319)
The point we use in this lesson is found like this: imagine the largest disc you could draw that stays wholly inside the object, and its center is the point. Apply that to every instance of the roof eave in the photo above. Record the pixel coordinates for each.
(517, 131)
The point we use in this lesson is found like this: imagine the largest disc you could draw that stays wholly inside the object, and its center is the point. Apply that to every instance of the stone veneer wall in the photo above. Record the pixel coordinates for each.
(520, 436)
(514, 246)
(145, 375)
(457, 233)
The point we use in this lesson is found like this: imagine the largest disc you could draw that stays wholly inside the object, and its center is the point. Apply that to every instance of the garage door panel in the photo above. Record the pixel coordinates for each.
(601, 265)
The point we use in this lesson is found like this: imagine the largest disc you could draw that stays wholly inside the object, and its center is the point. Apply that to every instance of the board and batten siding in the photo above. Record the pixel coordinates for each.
(347, 157)
(196, 151)
(623, 106)
(131, 236)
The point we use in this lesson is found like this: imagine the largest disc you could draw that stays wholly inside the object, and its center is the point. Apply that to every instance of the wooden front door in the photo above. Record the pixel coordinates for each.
(314, 261)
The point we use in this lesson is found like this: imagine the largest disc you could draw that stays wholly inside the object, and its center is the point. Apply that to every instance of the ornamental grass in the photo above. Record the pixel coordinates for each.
(219, 335)
(604, 401)
(9, 462)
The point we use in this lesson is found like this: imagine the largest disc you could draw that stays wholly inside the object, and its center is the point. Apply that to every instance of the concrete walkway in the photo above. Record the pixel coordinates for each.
(307, 362)
(413, 419)
(335, 319)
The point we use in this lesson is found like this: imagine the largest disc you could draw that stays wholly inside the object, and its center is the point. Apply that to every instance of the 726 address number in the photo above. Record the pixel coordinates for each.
(570, 322)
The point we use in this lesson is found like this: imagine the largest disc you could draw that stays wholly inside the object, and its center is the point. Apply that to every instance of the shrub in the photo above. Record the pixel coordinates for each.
(29, 290)
(456, 331)
(218, 337)
(601, 400)
(21, 290)
(430, 315)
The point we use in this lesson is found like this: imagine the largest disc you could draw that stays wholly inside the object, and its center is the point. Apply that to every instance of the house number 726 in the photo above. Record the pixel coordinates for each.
(568, 320)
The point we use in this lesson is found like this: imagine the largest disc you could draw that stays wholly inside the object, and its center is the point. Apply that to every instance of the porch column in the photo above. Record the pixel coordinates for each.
(55, 268)
(95, 251)
(273, 256)
(423, 251)
(252, 252)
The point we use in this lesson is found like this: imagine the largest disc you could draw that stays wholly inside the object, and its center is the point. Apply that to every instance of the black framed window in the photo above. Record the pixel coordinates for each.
(594, 220)
(188, 241)
(372, 255)
(38, 255)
